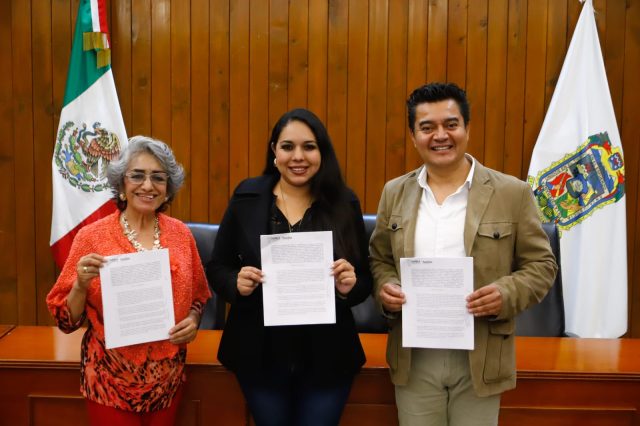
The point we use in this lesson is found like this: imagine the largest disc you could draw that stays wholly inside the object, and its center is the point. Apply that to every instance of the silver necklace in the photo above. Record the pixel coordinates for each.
(286, 212)
(131, 234)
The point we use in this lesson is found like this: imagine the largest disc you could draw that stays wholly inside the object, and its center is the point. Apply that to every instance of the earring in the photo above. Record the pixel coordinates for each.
(123, 197)
(275, 162)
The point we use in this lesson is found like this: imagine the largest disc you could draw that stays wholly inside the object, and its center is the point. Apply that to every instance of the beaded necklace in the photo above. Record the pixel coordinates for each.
(131, 234)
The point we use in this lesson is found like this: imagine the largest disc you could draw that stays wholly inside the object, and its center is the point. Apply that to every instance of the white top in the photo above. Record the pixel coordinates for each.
(440, 228)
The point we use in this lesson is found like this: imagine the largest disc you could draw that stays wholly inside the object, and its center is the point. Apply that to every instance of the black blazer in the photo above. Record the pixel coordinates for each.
(336, 347)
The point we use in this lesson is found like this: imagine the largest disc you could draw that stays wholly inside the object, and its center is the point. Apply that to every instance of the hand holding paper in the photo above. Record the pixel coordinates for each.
(137, 298)
(185, 331)
(392, 297)
(298, 286)
(435, 314)
(248, 279)
(485, 301)
(344, 275)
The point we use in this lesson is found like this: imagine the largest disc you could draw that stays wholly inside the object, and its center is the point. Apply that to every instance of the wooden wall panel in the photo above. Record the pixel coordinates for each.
(457, 42)
(556, 46)
(437, 40)
(141, 67)
(181, 99)
(515, 89)
(416, 64)
(614, 59)
(219, 118)
(498, 24)
(239, 88)
(23, 141)
(199, 109)
(259, 71)
(278, 54)
(210, 77)
(534, 79)
(41, 51)
(298, 45)
(376, 103)
(396, 91)
(630, 135)
(160, 70)
(121, 55)
(317, 57)
(356, 77)
(8, 237)
(339, 46)
(476, 81)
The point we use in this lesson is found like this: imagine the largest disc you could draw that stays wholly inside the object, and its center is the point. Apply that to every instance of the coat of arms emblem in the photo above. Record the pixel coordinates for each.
(82, 155)
(583, 181)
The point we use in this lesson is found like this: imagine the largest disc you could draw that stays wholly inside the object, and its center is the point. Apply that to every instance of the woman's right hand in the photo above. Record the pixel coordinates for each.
(248, 279)
(87, 269)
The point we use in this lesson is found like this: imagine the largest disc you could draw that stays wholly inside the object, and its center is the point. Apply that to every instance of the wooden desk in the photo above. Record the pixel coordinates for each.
(4, 329)
(560, 382)
(564, 381)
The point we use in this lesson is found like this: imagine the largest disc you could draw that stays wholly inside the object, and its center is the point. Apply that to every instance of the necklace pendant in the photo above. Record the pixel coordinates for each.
(131, 235)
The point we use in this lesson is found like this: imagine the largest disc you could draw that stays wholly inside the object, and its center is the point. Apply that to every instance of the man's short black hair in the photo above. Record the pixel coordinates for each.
(436, 92)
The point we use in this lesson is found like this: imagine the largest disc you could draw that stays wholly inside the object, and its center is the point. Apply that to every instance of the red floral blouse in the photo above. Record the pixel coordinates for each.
(142, 377)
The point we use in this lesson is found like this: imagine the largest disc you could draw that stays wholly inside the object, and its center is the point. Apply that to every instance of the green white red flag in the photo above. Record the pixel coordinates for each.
(90, 134)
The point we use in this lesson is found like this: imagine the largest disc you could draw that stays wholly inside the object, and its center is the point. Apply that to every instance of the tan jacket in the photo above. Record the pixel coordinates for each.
(503, 234)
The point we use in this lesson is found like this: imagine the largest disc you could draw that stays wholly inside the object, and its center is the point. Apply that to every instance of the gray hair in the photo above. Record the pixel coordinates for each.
(161, 151)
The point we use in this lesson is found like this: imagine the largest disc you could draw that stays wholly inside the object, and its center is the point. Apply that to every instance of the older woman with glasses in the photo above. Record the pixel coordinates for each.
(137, 384)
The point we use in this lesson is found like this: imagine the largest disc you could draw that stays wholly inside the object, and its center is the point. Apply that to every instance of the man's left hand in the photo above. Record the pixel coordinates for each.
(485, 301)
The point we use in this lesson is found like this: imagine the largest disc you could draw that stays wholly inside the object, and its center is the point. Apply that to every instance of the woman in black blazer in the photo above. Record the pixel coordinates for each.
(292, 375)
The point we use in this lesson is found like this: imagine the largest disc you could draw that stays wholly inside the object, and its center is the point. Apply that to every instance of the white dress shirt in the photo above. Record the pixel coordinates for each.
(440, 227)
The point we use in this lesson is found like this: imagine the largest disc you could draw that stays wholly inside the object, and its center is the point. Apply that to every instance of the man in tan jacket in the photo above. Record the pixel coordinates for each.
(453, 206)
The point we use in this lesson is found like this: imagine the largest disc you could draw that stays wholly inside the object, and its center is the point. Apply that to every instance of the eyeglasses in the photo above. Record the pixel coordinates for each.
(156, 178)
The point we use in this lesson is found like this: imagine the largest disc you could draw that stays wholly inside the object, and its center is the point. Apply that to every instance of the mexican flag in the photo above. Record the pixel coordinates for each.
(91, 132)
(578, 176)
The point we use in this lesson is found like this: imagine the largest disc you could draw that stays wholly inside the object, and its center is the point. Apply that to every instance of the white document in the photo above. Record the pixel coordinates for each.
(298, 287)
(137, 298)
(435, 313)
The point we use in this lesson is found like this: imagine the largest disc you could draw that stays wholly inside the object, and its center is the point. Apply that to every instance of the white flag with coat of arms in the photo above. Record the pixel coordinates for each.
(578, 177)
(90, 134)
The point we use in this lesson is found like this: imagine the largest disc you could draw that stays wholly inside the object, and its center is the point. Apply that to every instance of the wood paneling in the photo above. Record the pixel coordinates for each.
(8, 261)
(200, 98)
(476, 81)
(353, 93)
(514, 88)
(376, 109)
(318, 13)
(338, 53)
(630, 135)
(210, 77)
(218, 165)
(24, 142)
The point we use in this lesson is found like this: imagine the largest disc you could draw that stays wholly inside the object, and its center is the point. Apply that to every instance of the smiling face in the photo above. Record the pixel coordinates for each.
(440, 135)
(297, 154)
(146, 197)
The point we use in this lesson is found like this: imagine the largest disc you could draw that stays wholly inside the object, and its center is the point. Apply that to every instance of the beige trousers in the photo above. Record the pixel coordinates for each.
(440, 392)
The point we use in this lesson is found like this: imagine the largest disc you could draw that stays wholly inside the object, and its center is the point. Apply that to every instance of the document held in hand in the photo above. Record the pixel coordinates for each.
(298, 287)
(137, 298)
(435, 313)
